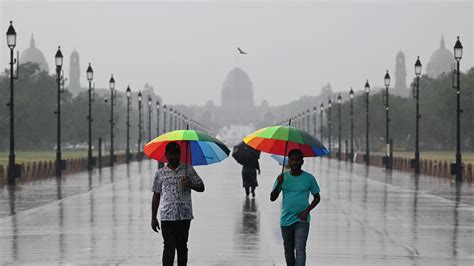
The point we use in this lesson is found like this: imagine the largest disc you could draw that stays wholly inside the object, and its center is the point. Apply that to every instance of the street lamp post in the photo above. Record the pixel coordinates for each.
(171, 119)
(150, 112)
(351, 94)
(164, 118)
(388, 158)
(367, 142)
(329, 126)
(59, 64)
(314, 120)
(90, 77)
(139, 125)
(176, 117)
(157, 117)
(339, 103)
(307, 120)
(129, 95)
(417, 123)
(112, 96)
(458, 55)
(12, 168)
(321, 112)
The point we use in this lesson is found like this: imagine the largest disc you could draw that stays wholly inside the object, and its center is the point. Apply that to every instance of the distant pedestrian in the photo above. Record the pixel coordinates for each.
(172, 188)
(296, 185)
(249, 176)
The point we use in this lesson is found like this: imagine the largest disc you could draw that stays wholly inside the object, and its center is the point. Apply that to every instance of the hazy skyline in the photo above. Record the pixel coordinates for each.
(187, 48)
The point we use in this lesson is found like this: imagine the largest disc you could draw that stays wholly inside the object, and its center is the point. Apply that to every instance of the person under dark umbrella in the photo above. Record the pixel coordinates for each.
(249, 176)
(248, 158)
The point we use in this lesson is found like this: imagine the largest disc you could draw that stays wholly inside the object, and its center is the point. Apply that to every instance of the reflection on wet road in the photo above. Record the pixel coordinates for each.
(366, 216)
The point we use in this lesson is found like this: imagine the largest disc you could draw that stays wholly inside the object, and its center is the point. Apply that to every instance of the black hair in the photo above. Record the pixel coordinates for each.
(172, 146)
(295, 152)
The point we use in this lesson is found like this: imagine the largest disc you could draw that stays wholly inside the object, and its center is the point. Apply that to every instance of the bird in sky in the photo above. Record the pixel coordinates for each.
(240, 51)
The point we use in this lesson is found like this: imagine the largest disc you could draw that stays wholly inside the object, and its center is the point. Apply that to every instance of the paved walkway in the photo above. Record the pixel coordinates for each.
(365, 217)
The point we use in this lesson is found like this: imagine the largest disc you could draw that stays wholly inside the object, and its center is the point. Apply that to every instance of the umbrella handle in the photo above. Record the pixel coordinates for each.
(286, 147)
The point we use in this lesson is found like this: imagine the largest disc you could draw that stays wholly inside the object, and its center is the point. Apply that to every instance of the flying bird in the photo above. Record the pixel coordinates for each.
(240, 51)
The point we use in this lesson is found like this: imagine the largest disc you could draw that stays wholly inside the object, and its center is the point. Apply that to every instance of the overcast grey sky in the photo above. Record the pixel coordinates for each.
(185, 49)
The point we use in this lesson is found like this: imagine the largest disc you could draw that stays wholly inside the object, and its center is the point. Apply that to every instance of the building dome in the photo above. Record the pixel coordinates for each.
(237, 79)
(237, 89)
(237, 97)
(34, 55)
(440, 62)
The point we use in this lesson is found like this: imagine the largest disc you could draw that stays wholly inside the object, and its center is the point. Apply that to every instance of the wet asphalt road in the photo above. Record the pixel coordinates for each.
(366, 216)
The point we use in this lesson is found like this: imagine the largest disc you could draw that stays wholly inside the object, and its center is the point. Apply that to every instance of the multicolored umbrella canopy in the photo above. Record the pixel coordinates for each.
(202, 149)
(274, 140)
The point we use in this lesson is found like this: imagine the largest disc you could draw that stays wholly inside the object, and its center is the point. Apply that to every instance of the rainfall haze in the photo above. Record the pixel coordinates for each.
(186, 49)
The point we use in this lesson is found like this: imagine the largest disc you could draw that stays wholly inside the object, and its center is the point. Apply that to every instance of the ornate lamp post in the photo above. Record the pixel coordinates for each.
(164, 118)
(12, 167)
(367, 142)
(129, 95)
(59, 64)
(314, 120)
(307, 120)
(351, 94)
(140, 114)
(90, 77)
(339, 104)
(329, 126)
(321, 110)
(388, 158)
(171, 119)
(150, 112)
(158, 117)
(417, 128)
(176, 117)
(458, 55)
(112, 103)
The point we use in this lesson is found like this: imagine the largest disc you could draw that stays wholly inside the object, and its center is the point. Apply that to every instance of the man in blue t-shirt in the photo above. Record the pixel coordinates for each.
(296, 186)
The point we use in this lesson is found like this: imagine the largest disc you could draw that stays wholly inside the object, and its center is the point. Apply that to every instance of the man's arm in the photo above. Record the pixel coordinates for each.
(193, 181)
(155, 202)
(199, 187)
(277, 189)
(304, 214)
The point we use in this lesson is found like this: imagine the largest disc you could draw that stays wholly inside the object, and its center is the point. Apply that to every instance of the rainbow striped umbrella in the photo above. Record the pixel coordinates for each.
(281, 139)
(200, 148)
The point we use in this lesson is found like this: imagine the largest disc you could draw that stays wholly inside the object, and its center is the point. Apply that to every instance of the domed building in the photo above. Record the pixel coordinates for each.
(34, 55)
(440, 62)
(237, 100)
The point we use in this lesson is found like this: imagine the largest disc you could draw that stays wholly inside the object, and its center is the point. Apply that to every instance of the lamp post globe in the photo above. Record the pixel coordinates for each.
(11, 36)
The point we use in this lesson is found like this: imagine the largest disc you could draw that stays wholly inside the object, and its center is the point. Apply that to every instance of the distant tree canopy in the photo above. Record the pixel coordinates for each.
(35, 121)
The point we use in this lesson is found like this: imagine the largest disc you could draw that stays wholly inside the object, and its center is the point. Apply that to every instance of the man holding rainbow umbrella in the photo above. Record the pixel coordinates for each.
(180, 149)
(295, 184)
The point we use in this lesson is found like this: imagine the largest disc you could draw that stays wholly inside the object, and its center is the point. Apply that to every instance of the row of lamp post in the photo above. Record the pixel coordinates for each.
(388, 159)
(14, 169)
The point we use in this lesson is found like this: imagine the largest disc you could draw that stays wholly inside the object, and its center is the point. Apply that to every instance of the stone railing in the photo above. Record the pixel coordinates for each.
(42, 169)
(427, 167)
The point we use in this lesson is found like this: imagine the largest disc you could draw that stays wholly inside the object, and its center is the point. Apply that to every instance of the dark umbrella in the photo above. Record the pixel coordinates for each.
(244, 154)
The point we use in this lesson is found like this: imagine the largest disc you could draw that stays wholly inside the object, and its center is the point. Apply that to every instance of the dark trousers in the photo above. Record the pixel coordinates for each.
(294, 239)
(175, 237)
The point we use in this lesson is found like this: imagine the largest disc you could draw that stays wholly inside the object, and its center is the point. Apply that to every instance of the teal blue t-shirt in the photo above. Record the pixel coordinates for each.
(296, 191)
